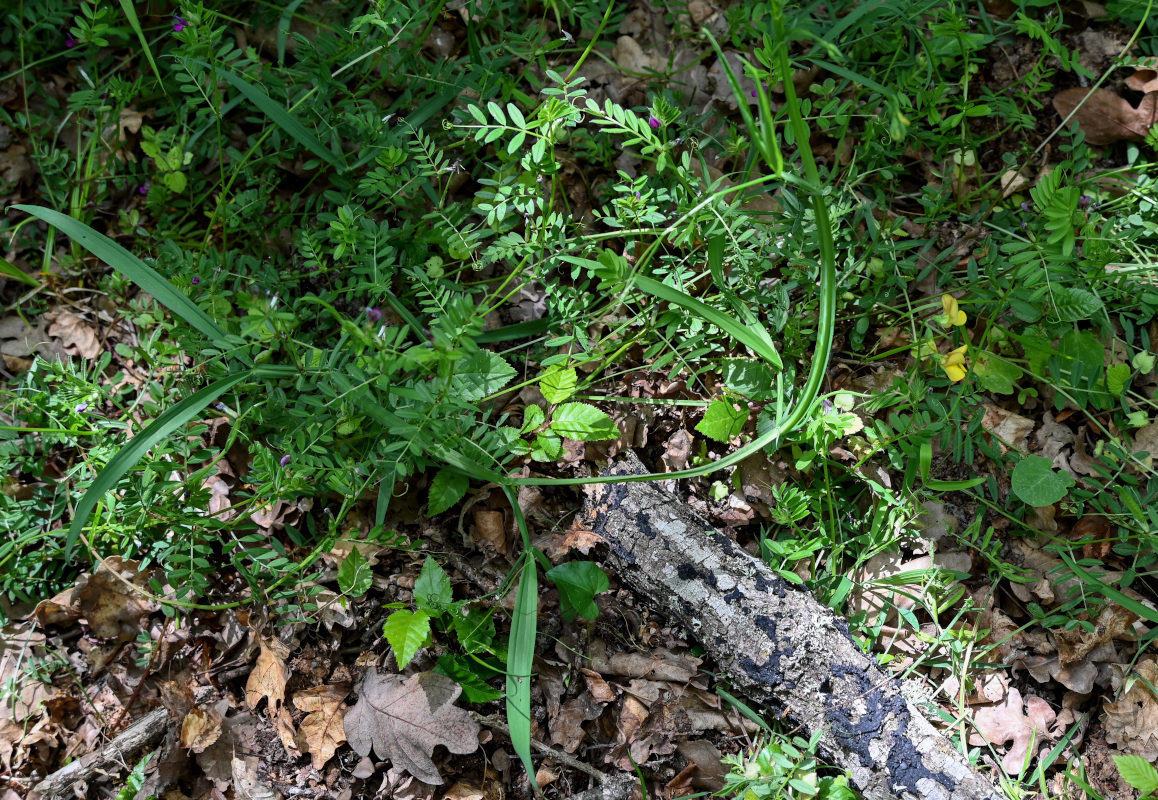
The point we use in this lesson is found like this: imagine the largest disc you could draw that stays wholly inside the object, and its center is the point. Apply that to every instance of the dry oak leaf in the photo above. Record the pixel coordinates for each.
(1026, 724)
(1105, 117)
(404, 719)
(323, 730)
(269, 677)
(1132, 721)
(78, 336)
(200, 729)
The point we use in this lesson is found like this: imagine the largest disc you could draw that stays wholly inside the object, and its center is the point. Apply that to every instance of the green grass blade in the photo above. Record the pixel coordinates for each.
(131, 267)
(520, 654)
(135, 24)
(10, 270)
(1110, 593)
(280, 115)
(169, 421)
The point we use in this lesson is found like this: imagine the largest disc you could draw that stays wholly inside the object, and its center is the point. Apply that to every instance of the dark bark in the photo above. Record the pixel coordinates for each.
(777, 644)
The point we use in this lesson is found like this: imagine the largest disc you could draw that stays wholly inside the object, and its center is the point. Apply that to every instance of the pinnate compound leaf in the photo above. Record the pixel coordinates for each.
(583, 422)
(479, 374)
(354, 575)
(579, 582)
(323, 730)
(558, 383)
(447, 488)
(404, 719)
(1036, 483)
(723, 420)
(406, 632)
(269, 676)
(1138, 772)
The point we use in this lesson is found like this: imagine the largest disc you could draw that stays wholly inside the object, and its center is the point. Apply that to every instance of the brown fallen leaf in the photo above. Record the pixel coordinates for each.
(1106, 117)
(1132, 720)
(1145, 78)
(1024, 723)
(78, 336)
(268, 678)
(404, 719)
(200, 729)
(323, 730)
(113, 609)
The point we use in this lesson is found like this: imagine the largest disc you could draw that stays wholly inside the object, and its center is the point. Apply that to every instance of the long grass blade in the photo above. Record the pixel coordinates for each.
(520, 654)
(280, 115)
(170, 420)
(135, 24)
(131, 267)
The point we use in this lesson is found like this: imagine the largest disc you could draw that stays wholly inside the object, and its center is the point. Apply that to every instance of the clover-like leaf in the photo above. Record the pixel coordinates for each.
(1036, 483)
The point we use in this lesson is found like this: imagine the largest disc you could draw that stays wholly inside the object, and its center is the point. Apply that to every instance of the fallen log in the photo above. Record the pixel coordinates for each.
(777, 644)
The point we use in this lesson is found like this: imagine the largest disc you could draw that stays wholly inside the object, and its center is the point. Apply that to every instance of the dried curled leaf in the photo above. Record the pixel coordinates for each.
(1132, 720)
(404, 719)
(1025, 724)
(1105, 117)
(268, 678)
(323, 730)
(200, 729)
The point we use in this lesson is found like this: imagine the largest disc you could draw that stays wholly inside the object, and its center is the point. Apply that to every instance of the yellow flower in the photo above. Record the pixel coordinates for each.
(953, 363)
(953, 315)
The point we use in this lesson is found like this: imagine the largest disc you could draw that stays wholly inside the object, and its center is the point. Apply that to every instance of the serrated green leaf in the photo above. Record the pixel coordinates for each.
(447, 488)
(1036, 483)
(558, 383)
(432, 590)
(1117, 376)
(475, 629)
(1073, 304)
(479, 374)
(462, 672)
(578, 583)
(1138, 772)
(354, 574)
(533, 417)
(548, 447)
(583, 422)
(723, 420)
(406, 632)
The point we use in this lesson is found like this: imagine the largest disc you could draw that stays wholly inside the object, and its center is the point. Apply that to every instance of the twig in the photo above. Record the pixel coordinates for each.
(545, 749)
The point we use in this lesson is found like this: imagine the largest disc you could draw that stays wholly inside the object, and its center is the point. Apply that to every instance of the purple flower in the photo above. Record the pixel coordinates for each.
(653, 121)
(284, 459)
(373, 314)
(179, 24)
(80, 409)
(144, 188)
(1084, 201)
(196, 280)
(70, 41)
(1026, 206)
